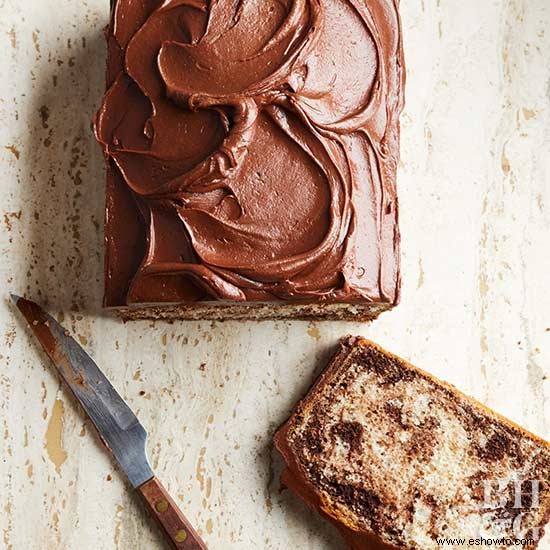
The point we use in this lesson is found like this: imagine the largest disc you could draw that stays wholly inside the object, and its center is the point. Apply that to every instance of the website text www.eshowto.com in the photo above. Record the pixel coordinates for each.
(502, 542)
(516, 500)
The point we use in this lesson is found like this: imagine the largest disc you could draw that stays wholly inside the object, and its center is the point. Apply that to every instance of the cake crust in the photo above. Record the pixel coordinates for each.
(252, 169)
(369, 515)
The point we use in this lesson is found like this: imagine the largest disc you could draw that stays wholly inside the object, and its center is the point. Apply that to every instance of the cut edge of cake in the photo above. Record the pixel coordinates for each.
(251, 311)
(295, 478)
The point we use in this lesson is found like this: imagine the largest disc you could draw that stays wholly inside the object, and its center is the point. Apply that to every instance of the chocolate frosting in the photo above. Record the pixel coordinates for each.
(259, 139)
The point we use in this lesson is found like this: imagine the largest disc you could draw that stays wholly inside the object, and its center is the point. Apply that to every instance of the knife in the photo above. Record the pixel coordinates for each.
(117, 426)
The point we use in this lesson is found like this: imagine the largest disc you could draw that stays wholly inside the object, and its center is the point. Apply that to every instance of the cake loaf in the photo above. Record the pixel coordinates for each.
(397, 459)
(251, 150)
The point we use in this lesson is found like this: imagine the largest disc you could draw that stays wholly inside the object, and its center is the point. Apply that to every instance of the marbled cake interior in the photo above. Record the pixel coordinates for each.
(407, 458)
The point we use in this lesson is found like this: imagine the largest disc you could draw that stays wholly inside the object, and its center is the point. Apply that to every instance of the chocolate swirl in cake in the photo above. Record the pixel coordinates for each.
(252, 133)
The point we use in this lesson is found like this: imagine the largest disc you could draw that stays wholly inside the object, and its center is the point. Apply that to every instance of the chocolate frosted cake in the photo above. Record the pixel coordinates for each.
(397, 459)
(252, 148)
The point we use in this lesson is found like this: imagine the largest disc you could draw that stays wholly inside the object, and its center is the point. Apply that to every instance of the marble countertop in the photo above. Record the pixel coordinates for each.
(474, 186)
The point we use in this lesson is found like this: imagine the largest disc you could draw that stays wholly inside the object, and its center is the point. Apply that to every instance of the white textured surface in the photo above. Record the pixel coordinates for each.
(475, 217)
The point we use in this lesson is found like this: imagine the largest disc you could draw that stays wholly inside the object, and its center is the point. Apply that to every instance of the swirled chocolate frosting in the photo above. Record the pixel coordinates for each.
(252, 148)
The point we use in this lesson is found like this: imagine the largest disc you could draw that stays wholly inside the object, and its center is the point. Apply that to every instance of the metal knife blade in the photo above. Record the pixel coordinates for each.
(117, 425)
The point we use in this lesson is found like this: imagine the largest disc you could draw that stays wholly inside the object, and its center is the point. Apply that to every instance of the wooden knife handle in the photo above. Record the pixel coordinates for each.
(178, 531)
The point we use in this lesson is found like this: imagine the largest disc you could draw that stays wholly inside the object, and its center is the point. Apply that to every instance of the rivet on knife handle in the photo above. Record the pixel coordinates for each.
(178, 531)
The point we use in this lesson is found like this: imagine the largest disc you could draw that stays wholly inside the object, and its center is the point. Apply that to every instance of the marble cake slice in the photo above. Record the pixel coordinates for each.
(252, 149)
(397, 459)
